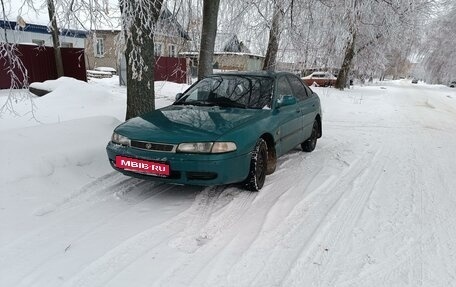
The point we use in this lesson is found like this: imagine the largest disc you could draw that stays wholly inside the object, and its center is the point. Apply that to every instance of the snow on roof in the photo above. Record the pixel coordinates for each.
(41, 29)
(194, 53)
(107, 20)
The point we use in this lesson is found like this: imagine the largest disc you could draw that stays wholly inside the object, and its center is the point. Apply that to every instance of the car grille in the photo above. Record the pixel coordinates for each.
(153, 146)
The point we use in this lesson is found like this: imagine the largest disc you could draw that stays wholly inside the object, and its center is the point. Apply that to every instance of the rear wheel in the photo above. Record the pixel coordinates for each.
(310, 144)
(258, 166)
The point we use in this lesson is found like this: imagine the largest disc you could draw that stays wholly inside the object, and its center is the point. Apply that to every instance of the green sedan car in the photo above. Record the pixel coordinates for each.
(226, 128)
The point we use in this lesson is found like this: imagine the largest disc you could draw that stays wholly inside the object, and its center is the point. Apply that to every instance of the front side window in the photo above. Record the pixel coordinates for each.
(298, 88)
(230, 91)
(283, 87)
(99, 47)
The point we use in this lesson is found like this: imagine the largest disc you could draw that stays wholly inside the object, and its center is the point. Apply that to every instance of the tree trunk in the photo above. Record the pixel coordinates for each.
(55, 38)
(208, 34)
(274, 38)
(139, 56)
(342, 77)
(354, 16)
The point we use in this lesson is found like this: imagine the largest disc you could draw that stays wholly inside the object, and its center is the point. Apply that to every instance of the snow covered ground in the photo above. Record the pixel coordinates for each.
(373, 205)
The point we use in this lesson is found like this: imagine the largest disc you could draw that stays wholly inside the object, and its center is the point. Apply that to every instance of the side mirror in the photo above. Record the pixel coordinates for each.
(178, 96)
(286, 100)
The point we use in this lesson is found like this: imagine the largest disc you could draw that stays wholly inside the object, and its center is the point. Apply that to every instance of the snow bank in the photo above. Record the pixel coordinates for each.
(45, 148)
(69, 99)
(51, 85)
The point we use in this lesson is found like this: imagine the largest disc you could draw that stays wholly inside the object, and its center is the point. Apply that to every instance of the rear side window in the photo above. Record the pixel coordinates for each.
(298, 88)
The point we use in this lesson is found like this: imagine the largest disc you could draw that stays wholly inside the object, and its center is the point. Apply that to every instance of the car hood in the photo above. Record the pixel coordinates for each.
(176, 124)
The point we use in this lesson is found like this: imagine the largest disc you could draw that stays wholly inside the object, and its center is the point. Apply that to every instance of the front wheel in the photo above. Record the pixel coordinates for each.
(310, 144)
(258, 166)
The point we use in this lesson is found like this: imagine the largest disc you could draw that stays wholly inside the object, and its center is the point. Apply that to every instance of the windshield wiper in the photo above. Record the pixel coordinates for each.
(226, 102)
(197, 103)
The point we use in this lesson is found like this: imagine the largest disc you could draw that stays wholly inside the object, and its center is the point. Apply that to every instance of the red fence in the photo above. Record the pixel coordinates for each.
(170, 69)
(40, 64)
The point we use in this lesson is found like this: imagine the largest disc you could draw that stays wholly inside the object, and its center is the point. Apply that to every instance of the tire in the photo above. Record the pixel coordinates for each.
(258, 167)
(310, 144)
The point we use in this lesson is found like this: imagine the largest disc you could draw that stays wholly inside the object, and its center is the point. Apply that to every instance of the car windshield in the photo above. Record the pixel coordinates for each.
(239, 91)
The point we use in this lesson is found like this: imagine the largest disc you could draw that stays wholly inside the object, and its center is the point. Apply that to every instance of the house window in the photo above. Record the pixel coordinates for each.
(38, 42)
(172, 51)
(66, 45)
(99, 47)
(157, 49)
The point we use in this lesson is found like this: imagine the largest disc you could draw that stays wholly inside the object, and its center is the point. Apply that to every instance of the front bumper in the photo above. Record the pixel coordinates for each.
(192, 169)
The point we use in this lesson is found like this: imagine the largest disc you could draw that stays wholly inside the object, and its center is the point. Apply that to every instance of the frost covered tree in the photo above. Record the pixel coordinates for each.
(208, 34)
(438, 50)
(274, 36)
(138, 21)
(15, 69)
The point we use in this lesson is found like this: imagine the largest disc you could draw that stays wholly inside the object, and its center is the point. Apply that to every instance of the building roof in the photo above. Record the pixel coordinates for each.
(194, 54)
(236, 46)
(41, 29)
(167, 21)
(167, 25)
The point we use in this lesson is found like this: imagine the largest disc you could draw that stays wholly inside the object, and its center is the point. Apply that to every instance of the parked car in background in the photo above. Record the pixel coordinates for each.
(322, 79)
(414, 81)
(226, 128)
(452, 84)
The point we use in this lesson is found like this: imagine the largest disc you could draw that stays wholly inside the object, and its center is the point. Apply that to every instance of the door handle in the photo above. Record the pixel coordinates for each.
(298, 111)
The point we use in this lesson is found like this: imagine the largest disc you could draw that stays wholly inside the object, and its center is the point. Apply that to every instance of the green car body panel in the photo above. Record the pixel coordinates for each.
(285, 127)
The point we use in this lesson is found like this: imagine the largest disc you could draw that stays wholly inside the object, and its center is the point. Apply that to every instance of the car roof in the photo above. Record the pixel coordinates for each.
(261, 73)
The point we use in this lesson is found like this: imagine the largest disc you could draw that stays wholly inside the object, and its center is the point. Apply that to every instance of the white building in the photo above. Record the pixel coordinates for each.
(40, 35)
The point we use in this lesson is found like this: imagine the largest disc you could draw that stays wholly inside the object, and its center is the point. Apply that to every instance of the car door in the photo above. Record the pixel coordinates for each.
(289, 118)
(306, 103)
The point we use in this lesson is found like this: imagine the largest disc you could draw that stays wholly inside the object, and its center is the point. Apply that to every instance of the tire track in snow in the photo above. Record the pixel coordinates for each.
(332, 242)
(110, 179)
(246, 227)
(129, 251)
(118, 257)
(76, 227)
(283, 246)
(191, 238)
(210, 239)
(413, 244)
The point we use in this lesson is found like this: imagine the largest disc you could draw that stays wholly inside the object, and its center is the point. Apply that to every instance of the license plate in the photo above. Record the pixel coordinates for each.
(142, 166)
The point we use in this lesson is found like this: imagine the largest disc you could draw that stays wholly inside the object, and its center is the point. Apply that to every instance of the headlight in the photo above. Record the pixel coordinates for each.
(207, 147)
(120, 139)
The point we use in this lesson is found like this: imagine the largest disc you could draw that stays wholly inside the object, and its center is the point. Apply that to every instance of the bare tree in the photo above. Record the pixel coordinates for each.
(352, 19)
(55, 38)
(208, 34)
(15, 69)
(274, 37)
